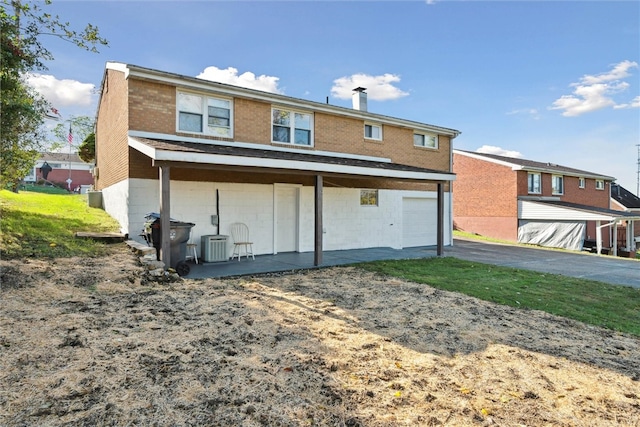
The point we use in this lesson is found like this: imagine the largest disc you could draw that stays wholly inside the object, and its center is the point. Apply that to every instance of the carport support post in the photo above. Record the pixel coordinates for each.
(165, 215)
(317, 256)
(598, 237)
(440, 222)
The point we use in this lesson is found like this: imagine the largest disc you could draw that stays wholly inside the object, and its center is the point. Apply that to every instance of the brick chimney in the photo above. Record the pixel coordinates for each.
(359, 99)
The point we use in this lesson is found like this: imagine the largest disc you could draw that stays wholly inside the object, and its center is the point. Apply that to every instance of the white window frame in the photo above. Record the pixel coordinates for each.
(557, 184)
(599, 184)
(369, 197)
(581, 182)
(420, 139)
(291, 126)
(530, 185)
(200, 106)
(373, 136)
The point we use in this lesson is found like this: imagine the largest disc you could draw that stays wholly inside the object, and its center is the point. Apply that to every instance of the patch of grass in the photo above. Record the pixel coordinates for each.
(474, 236)
(600, 304)
(48, 189)
(44, 225)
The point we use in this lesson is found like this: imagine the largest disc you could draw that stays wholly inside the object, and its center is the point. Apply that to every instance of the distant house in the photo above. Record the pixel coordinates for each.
(535, 202)
(304, 176)
(65, 169)
(624, 200)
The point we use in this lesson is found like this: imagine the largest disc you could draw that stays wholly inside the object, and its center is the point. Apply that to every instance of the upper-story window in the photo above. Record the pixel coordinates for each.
(425, 140)
(557, 184)
(373, 132)
(207, 115)
(533, 179)
(599, 184)
(291, 127)
(581, 182)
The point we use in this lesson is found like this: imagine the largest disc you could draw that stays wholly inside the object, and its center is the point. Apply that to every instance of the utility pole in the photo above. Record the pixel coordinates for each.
(638, 173)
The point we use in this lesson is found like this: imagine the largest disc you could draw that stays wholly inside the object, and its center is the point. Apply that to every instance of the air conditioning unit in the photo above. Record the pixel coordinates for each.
(214, 248)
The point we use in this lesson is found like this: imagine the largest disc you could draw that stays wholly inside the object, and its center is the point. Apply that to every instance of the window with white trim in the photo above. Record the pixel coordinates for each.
(533, 180)
(599, 184)
(206, 115)
(557, 184)
(580, 182)
(373, 132)
(291, 127)
(368, 197)
(425, 140)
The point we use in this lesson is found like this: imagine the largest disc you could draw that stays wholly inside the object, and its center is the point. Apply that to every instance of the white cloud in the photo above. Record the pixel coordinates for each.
(246, 79)
(532, 112)
(62, 93)
(379, 88)
(635, 103)
(594, 93)
(620, 71)
(499, 151)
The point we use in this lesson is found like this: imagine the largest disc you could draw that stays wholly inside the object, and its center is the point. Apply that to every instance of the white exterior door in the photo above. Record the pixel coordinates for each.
(286, 227)
(419, 222)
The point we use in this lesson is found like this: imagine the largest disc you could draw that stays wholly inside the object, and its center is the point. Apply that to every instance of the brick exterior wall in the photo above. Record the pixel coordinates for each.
(485, 198)
(572, 192)
(486, 193)
(151, 107)
(252, 121)
(112, 147)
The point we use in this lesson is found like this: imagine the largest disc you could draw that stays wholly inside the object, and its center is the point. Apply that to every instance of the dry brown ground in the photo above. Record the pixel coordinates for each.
(86, 342)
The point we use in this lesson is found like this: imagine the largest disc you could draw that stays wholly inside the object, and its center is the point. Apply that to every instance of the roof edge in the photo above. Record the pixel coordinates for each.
(194, 82)
(515, 165)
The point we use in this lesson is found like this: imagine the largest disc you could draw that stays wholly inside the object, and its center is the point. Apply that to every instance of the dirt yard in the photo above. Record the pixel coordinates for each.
(90, 342)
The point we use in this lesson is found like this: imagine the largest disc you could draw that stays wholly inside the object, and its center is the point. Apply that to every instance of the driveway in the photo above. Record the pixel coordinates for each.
(608, 269)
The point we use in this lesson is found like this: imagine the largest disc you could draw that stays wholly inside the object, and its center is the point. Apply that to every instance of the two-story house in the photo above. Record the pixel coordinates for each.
(534, 202)
(65, 169)
(304, 176)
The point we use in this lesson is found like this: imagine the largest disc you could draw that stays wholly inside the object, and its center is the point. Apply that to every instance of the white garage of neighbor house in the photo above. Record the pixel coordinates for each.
(562, 224)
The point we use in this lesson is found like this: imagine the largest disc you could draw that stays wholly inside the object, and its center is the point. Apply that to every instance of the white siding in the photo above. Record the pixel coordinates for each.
(419, 222)
(115, 201)
(346, 224)
(532, 210)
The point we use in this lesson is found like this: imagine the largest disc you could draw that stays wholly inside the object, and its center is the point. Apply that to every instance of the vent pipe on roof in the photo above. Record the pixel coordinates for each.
(359, 99)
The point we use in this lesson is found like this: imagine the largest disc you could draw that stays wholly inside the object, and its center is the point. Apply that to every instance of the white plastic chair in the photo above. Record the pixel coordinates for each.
(241, 241)
(192, 252)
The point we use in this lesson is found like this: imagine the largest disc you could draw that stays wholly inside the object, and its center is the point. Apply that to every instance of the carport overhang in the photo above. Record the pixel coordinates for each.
(243, 157)
(558, 210)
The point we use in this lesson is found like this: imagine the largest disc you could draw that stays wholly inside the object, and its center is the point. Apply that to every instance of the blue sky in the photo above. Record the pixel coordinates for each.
(555, 81)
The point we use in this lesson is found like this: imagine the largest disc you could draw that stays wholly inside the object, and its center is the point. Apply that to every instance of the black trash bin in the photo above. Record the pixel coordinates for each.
(179, 233)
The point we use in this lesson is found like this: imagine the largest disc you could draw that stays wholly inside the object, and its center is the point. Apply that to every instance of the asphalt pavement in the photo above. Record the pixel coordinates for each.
(604, 268)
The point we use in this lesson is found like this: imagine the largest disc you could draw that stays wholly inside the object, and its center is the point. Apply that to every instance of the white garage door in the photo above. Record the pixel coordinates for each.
(419, 222)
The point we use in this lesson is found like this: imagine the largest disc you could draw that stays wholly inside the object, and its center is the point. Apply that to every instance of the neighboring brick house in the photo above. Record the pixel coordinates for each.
(65, 169)
(304, 176)
(533, 202)
(624, 200)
